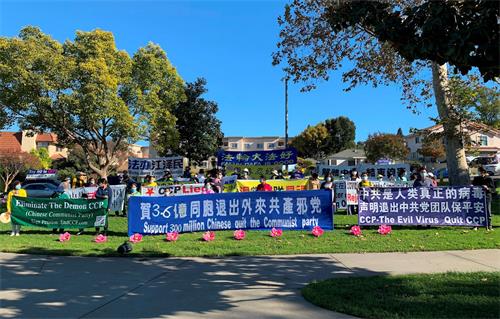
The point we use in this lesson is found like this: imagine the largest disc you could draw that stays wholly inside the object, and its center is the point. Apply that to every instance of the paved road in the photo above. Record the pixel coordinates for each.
(233, 287)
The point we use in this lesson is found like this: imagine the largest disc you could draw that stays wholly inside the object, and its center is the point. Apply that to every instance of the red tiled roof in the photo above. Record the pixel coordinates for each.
(10, 141)
(46, 137)
(57, 156)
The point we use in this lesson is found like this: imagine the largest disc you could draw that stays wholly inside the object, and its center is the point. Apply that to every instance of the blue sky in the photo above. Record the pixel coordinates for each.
(230, 44)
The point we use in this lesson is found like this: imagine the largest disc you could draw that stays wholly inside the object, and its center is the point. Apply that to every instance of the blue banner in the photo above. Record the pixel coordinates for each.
(439, 206)
(224, 211)
(278, 157)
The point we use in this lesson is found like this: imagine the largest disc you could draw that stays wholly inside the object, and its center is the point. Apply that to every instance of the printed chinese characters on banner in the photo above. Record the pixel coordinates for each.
(251, 158)
(439, 206)
(155, 166)
(224, 211)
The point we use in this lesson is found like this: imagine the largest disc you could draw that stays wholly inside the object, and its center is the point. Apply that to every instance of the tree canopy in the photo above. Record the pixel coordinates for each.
(461, 33)
(363, 40)
(382, 145)
(325, 138)
(311, 142)
(87, 91)
(199, 130)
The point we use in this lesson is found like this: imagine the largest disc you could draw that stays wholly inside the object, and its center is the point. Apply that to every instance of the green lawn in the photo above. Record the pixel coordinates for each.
(448, 295)
(403, 239)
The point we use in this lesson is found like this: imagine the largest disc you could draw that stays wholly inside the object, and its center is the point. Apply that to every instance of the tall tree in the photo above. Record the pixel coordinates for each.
(381, 145)
(432, 147)
(14, 162)
(400, 132)
(379, 38)
(199, 129)
(474, 101)
(342, 132)
(312, 142)
(88, 92)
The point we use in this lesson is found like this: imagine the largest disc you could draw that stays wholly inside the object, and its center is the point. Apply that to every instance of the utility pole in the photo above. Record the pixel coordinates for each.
(286, 112)
(286, 116)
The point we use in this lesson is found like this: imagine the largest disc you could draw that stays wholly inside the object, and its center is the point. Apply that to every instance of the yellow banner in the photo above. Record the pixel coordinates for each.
(277, 184)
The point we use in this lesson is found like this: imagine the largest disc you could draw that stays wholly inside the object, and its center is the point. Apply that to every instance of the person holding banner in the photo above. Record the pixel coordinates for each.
(264, 186)
(422, 179)
(104, 192)
(364, 181)
(62, 193)
(486, 182)
(328, 183)
(150, 181)
(313, 182)
(17, 191)
(207, 188)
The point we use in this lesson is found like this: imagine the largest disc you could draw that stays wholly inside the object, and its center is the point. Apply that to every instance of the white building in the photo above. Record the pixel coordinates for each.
(351, 157)
(485, 140)
(263, 143)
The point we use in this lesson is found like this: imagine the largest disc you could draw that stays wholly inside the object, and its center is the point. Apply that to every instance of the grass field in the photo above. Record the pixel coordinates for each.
(402, 239)
(448, 295)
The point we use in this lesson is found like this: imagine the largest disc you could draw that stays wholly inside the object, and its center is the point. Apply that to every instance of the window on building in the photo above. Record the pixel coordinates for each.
(234, 146)
(271, 145)
(226, 144)
(280, 143)
(417, 139)
(260, 146)
(42, 144)
(351, 162)
(248, 146)
(483, 140)
(59, 149)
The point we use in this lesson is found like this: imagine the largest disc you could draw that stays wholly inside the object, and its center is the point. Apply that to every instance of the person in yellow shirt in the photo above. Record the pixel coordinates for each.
(17, 191)
(364, 181)
(150, 181)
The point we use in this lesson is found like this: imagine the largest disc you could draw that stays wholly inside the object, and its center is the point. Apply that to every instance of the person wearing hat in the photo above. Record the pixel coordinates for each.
(274, 174)
(486, 182)
(246, 174)
(17, 191)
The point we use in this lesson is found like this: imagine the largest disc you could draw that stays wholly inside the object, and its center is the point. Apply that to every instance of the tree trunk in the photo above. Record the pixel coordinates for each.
(458, 170)
(101, 170)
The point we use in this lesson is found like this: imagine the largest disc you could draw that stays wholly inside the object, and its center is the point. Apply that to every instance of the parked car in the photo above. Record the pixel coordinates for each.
(54, 182)
(40, 190)
(490, 164)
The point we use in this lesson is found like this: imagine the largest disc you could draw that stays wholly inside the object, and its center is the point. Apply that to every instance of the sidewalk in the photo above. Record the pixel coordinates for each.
(230, 287)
